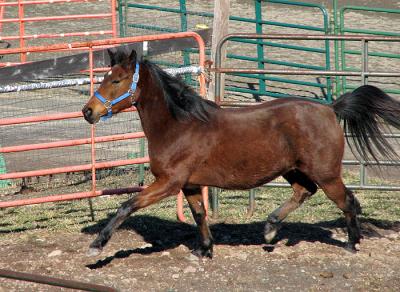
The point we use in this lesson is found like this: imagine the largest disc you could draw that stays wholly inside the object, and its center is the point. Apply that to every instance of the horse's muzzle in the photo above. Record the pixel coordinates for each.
(88, 115)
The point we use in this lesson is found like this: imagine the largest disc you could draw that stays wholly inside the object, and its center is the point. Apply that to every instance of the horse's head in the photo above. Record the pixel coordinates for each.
(116, 92)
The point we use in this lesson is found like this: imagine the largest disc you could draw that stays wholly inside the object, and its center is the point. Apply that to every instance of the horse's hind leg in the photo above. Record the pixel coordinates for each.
(196, 204)
(303, 188)
(345, 200)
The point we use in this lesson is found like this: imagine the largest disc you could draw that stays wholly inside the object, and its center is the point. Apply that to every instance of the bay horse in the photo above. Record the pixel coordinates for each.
(193, 142)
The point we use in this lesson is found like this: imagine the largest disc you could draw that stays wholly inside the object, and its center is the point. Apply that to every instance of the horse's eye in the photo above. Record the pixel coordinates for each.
(115, 81)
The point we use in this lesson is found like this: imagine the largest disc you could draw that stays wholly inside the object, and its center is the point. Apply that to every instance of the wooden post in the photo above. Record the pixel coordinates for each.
(220, 29)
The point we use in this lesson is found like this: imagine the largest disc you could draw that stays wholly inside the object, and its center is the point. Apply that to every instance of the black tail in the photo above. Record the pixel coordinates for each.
(361, 111)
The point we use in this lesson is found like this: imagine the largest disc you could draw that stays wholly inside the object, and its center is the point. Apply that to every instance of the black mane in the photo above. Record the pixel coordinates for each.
(182, 101)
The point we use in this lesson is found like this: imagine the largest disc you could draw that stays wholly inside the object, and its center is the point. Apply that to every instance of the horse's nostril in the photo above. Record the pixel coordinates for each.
(87, 112)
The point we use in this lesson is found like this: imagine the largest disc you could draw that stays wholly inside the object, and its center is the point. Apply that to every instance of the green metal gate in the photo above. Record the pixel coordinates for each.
(343, 52)
(262, 23)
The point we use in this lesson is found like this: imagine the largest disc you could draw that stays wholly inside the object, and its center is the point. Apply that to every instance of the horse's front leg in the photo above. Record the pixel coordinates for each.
(160, 189)
(196, 204)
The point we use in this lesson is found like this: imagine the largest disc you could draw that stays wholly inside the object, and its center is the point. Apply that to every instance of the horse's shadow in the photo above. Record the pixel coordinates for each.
(164, 234)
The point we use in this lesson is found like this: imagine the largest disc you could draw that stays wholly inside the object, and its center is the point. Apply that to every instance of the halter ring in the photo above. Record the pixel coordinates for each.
(107, 104)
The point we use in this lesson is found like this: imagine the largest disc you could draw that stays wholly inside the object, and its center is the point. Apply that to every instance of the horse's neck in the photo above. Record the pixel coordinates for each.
(154, 117)
(153, 111)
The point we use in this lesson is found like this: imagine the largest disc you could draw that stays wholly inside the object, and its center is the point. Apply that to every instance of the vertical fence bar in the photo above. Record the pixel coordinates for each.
(184, 27)
(2, 9)
(141, 166)
(220, 28)
(260, 46)
(92, 134)
(328, 60)
(252, 202)
(121, 17)
(114, 18)
(122, 13)
(342, 51)
(364, 56)
(215, 202)
(21, 28)
(125, 22)
(336, 31)
(364, 77)
(3, 169)
(183, 14)
(204, 195)
(363, 177)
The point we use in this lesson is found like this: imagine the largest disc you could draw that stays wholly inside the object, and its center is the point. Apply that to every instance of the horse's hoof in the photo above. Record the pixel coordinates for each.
(203, 253)
(269, 247)
(351, 247)
(93, 251)
(270, 232)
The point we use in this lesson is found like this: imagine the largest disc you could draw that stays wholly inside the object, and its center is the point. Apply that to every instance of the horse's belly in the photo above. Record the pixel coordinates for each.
(240, 174)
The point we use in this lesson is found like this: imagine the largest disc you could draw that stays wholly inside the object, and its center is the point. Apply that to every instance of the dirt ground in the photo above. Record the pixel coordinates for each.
(306, 257)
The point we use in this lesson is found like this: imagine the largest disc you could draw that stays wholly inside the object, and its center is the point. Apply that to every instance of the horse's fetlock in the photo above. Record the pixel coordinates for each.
(270, 231)
(273, 219)
(208, 242)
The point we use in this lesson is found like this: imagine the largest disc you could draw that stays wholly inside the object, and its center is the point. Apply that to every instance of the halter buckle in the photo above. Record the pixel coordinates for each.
(107, 104)
(135, 78)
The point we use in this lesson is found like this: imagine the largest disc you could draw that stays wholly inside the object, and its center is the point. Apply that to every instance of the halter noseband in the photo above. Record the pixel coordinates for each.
(108, 104)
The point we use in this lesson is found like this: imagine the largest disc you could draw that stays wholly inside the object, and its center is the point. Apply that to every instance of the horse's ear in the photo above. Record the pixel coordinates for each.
(132, 57)
(112, 56)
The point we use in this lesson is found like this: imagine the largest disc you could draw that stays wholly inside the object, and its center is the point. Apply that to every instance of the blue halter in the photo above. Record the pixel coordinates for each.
(108, 104)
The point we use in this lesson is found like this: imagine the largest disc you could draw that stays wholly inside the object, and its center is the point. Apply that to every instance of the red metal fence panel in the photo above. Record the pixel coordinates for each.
(23, 20)
(88, 47)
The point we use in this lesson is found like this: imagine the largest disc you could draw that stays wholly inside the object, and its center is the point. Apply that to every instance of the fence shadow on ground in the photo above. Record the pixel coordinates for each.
(164, 234)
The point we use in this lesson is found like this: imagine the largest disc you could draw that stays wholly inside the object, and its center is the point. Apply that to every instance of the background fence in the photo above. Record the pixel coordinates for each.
(381, 55)
(253, 53)
(279, 16)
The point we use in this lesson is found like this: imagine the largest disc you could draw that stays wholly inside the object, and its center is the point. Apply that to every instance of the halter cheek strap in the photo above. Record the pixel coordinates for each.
(108, 104)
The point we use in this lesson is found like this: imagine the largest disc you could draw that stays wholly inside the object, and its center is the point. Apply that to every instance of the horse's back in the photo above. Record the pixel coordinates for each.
(282, 117)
